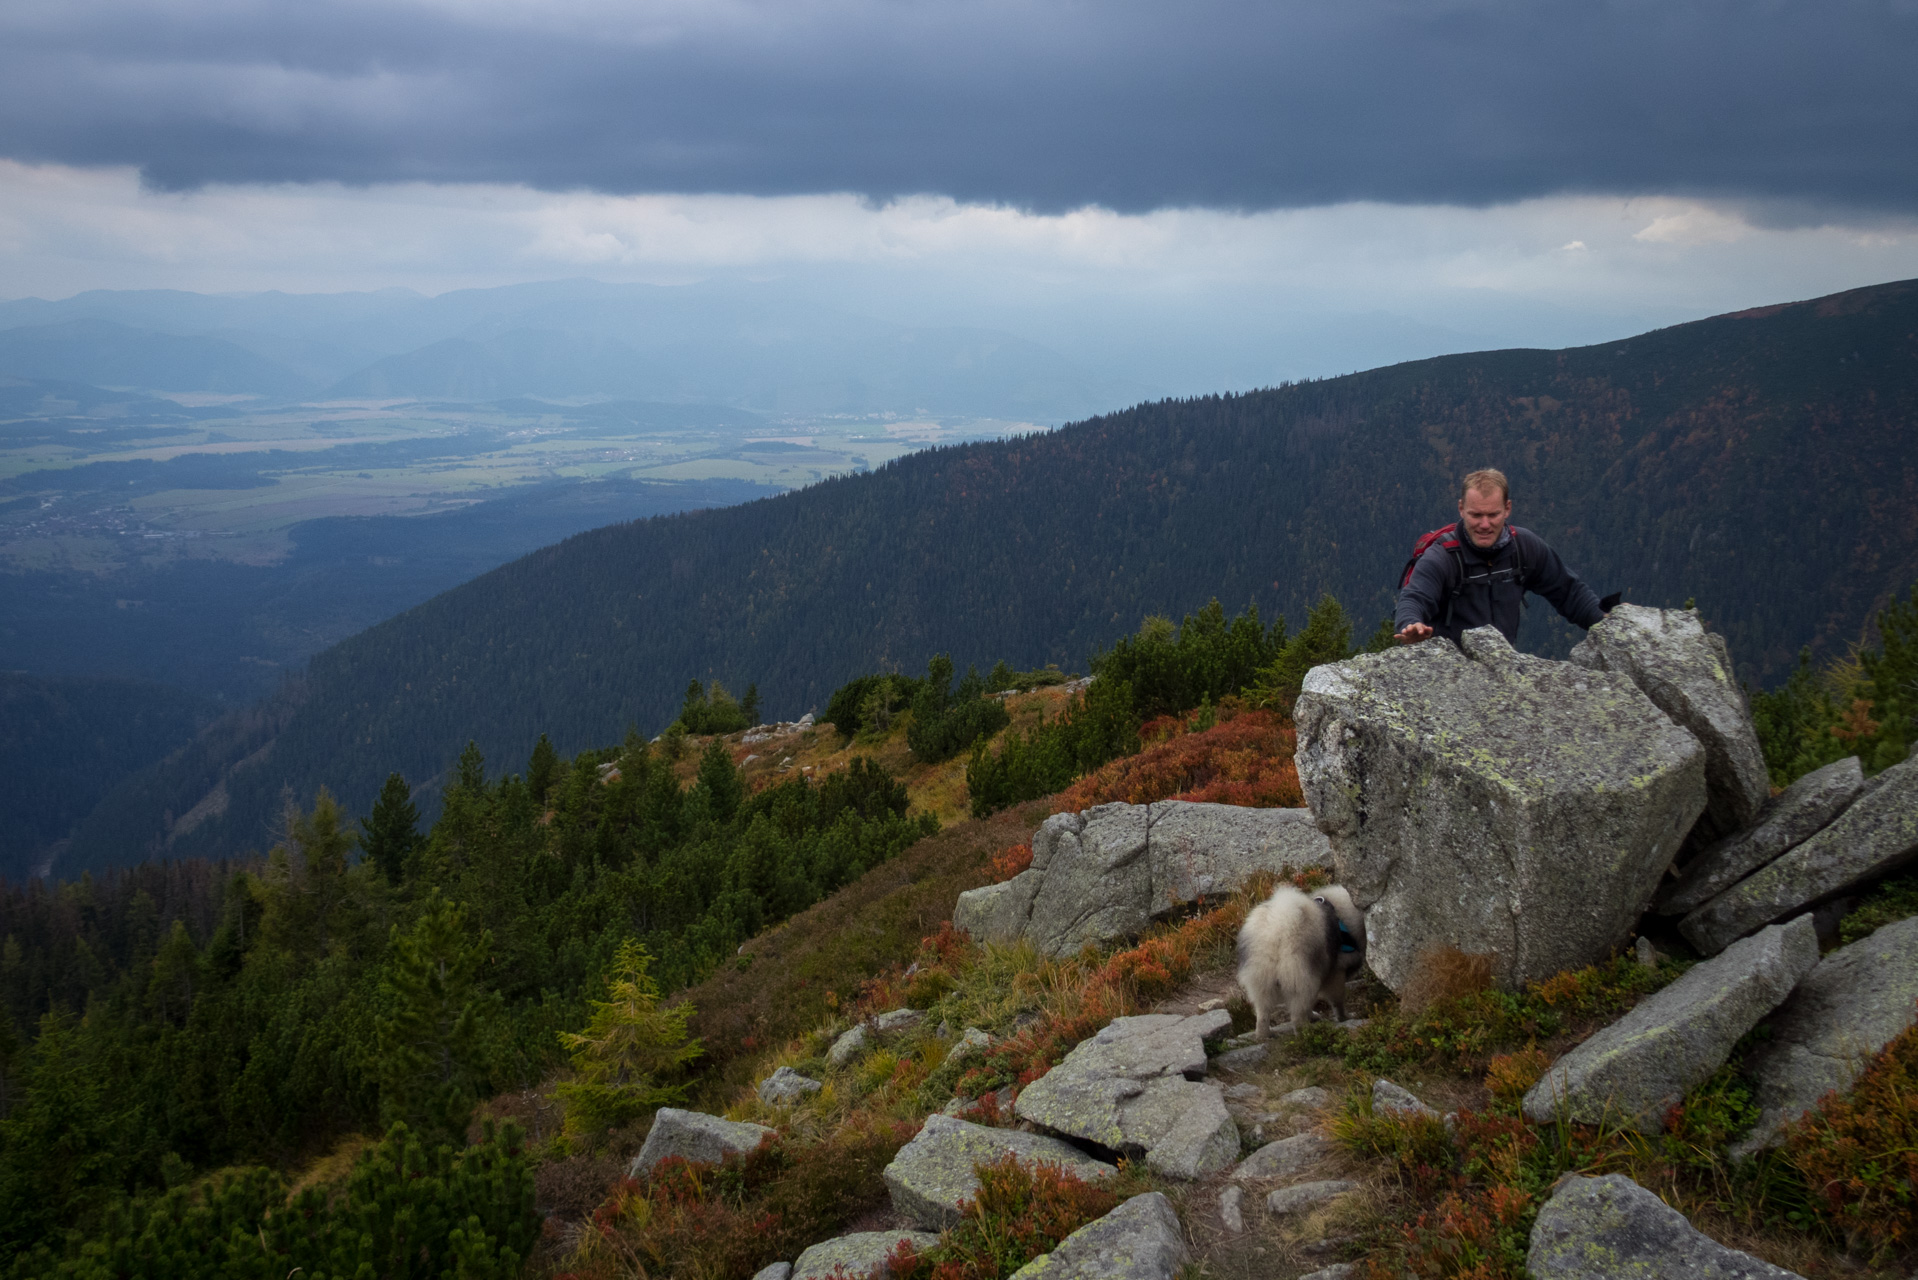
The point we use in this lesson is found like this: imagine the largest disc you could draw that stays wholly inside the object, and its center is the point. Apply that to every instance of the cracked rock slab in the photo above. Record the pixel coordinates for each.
(1687, 673)
(1138, 1087)
(857, 1256)
(1876, 834)
(1285, 1158)
(934, 1174)
(1846, 1010)
(1139, 1240)
(1611, 1228)
(1633, 1071)
(1102, 875)
(695, 1136)
(1307, 1195)
(1787, 820)
(1494, 802)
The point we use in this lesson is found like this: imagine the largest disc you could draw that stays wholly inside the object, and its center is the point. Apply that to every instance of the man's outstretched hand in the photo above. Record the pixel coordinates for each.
(1413, 633)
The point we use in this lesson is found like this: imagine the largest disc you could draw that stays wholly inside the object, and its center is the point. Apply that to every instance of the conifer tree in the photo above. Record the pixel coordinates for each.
(750, 704)
(431, 1063)
(391, 831)
(472, 769)
(628, 1045)
(721, 781)
(543, 769)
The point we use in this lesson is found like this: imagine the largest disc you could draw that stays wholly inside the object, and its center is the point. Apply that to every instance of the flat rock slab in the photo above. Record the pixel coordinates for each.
(1139, 1240)
(1787, 820)
(1250, 1058)
(1846, 1010)
(1311, 1098)
(1494, 802)
(695, 1136)
(1687, 673)
(1286, 1158)
(1390, 1097)
(897, 1020)
(1137, 1087)
(1611, 1228)
(1874, 835)
(933, 1175)
(1337, 1271)
(1102, 875)
(1306, 1195)
(1633, 1071)
(857, 1256)
(786, 1086)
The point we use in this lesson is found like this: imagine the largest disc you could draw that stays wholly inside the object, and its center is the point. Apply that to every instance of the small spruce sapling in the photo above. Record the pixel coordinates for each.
(431, 1055)
(629, 1044)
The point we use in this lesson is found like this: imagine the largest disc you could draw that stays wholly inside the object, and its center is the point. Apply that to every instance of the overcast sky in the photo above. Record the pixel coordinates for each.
(1249, 190)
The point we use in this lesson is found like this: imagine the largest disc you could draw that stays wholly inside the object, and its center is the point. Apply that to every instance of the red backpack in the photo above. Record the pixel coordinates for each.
(1446, 537)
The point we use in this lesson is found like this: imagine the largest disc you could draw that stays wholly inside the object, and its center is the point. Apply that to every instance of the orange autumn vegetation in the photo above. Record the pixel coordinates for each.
(1021, 1211)
(1009, 862)
(1859, 1152)
(1245, 759)
(1123, 983)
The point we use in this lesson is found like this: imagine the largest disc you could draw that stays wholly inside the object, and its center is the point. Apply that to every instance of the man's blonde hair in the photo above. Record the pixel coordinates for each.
(1483, 480)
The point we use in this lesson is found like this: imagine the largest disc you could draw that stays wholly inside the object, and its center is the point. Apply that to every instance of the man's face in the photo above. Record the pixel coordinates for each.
(1482, 513)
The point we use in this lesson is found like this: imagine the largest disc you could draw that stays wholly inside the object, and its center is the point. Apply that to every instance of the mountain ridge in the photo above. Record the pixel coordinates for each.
(1760, 464)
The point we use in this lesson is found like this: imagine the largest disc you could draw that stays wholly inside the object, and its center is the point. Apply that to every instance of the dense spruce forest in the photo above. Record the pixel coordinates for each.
(1760, 463)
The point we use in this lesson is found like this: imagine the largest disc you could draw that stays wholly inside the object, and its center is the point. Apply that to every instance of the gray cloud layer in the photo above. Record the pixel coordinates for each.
(1133, 104)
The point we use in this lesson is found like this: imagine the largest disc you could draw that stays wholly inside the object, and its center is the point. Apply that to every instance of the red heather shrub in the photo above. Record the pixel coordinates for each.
(1244, 760)
(1009, 862)
(1021, 1212)
(1859, 1153)
(1469, 1235)
(712, 1222)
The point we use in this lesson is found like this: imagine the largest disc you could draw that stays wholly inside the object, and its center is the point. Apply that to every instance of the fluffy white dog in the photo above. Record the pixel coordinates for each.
(1296, 949)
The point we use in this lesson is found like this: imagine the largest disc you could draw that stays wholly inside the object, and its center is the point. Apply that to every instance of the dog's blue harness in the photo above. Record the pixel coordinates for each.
(1346, 942)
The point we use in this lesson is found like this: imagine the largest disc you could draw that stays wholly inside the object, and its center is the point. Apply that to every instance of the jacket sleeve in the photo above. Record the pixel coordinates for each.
(1547, 577)
(1423, 599)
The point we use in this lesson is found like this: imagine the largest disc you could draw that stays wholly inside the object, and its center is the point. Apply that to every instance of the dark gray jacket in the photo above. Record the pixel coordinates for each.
(1452, 592)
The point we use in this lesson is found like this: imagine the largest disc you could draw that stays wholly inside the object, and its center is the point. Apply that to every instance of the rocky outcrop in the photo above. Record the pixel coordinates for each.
(693, 1135)
(1687, 673)
(1103, 875)
(857, 1256)
(1846, 1010)
(1877, 833)
(1633, 1071)
(786, 1086)
(971, 1041)
(1398, 1100)
(1139, 1240)
(774, 1271)
(1138, 1088)
(1610, 1227)
(933, 1175)
(1494, 802)
(1787, 820)
(850, 1044)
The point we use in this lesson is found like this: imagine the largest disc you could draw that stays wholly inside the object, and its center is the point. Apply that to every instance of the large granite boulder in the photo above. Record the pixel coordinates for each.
(1687, 673)
(1877, 833)
(1790, 818)
(695, 1136)
(1633, 1071)
(1138, 1088)
(1611, 1228)
(786, 1086)
(1846, 1010)
(1139, 1240)
(859, 1256)
(933, 1175)
(1104, 874)
(1494, 802)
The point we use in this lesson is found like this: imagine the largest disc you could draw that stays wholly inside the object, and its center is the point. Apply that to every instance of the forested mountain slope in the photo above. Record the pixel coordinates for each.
(1763, 463)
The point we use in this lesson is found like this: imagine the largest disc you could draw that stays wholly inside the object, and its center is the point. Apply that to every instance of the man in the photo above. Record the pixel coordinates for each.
(1483, 580)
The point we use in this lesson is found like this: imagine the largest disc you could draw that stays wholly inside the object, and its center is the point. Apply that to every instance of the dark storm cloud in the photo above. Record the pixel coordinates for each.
(1237, 103)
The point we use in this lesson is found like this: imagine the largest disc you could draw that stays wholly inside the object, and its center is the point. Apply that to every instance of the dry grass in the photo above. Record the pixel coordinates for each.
(1445, 973)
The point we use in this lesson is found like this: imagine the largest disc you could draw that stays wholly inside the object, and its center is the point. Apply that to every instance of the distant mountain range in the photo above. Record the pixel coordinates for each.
(1763, 463)
(711, 344)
